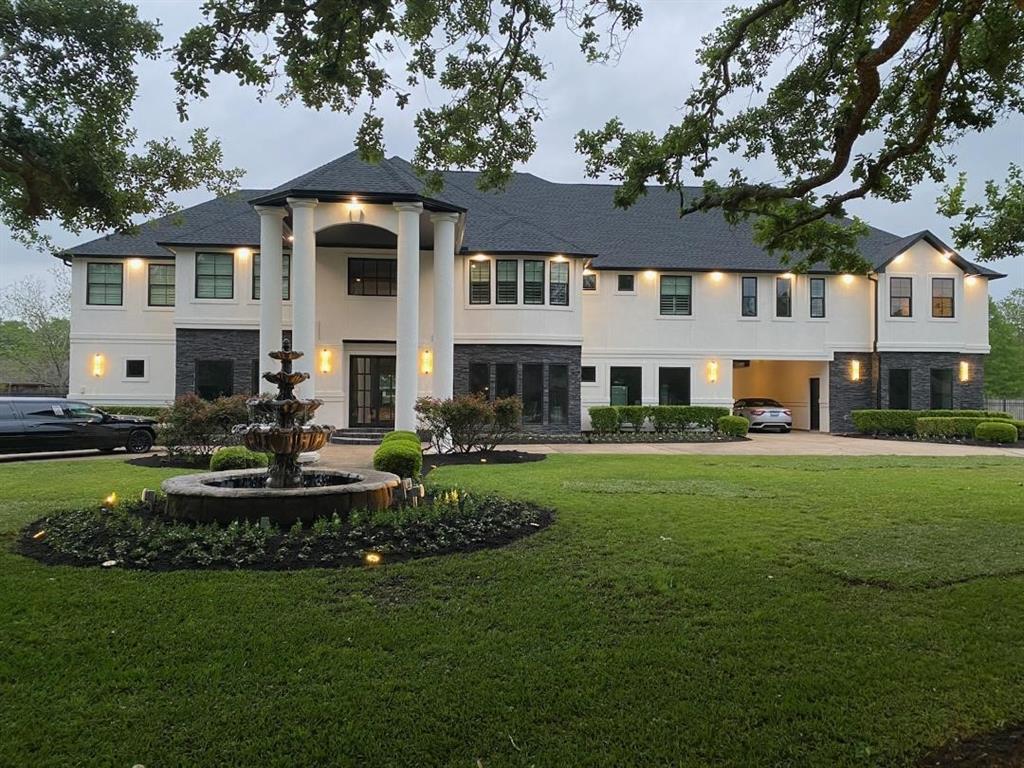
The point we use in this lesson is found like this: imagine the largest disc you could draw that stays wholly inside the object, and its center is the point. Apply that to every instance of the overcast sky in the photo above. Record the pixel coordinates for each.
(645, 88)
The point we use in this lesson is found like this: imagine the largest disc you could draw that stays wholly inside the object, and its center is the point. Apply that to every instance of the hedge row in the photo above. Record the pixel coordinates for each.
(899, 422)
(606, 419)
(153, 411)
(968, 427)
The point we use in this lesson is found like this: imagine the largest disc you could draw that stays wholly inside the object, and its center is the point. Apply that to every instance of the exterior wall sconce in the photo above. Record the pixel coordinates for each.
(716, 276)
(855, 370)
(558, 257)
(97, 365)
(965, 371)
(899, 258)
(712, 371)
(427, 361)
(478, 257)
(325, 360)
(243, 253)
(848, 278)
(354, 202)
(650, 274)
(135, 264)
(787, 275)
(971, 279)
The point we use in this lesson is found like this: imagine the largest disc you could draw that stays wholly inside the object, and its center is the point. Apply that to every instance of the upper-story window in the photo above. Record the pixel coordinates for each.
(507, 281)
(748, 301)
(676, 295)
(783, 297)
(590, 281)
(215, 276)
(372, 277)
(901, 297)
(942, 296)
(559, 283)
(627, 283)
(161, 285)
(104, 283)
(286, 276)
(480, 282)
(817, 297)
(533, 282)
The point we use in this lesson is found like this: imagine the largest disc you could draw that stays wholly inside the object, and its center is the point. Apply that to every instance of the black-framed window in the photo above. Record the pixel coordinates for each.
(588, 374)
(676, 295)
(533, 282)
(559, 284)
(558, 394)
(748, 302)
(480, 379)
(506, 281)
(533, 393)
(215, 276)
(817, 296)
(480, 282)
(135, 369)
(504, 379)
(627, 283)
(783, 297)
(590, 281)
(901, 297)
(899, 388)
(942, 388)
(214, 378)
(673, 386)
(372, 277)
(104, 283)
(942, 296)
(161, 285)
(626, 384)
(286, 276)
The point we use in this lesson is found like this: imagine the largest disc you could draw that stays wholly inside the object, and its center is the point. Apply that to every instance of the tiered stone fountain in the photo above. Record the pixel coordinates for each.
(285, 492)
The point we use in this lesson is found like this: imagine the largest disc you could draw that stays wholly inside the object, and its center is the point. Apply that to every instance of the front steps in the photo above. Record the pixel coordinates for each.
(359, 436)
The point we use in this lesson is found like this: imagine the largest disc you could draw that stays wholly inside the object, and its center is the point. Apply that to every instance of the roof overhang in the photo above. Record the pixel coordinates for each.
(280, 197)
(966, 266)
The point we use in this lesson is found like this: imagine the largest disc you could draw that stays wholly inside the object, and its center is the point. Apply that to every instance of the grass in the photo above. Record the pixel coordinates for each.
(681, 611)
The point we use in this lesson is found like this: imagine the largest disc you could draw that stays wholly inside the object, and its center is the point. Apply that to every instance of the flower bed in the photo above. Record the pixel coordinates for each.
(689, 436)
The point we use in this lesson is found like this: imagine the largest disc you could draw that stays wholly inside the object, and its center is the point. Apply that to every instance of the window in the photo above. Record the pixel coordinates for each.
(135, 369)
(673, 386)
(104, 283)
(901, 297)
(558, 394)
(942, 297)
(161, 285)
(559, 284)
(7, 412)
(748, 304)
(480, 379)
(507, 281)
(215, 276)
(588, 374)
(942, 388)
(214, 378)
(286, 276)
(783, 297)
(626, 386)
(533, 393)
(817, 297)
(372, 277)
(479, 282)
(590, 281)
(899, 388)
(504, 379)
(675, 294)
(627, 283)
(533, 282)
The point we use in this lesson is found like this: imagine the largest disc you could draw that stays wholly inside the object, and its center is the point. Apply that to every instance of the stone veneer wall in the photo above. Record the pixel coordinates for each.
(845, 395)
(519, 354)
(241, 347)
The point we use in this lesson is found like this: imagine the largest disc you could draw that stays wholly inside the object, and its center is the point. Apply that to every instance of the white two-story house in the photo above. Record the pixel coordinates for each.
(544, 291)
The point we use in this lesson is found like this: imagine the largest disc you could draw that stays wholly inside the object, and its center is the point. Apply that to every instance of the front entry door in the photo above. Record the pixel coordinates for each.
(815, 405)
(371, 391)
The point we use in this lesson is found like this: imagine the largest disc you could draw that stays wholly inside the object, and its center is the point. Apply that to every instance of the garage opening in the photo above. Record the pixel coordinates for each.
(801, 386)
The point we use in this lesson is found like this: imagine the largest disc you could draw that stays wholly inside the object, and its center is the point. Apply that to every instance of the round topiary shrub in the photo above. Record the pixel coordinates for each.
(996, 432)
(237, 457)
(401, 435)
(400, 457)
(733, 426)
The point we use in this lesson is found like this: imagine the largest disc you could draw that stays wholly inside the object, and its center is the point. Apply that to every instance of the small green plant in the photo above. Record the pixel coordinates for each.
(996, 432)
(401, 435)
(733, 426)
(237, 457)
(604, 419)
(400, 457)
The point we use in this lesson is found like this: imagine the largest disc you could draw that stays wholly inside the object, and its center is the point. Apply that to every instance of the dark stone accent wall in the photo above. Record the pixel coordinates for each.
(519, 354)
(966, 394)
(241, 347)
(845, 395)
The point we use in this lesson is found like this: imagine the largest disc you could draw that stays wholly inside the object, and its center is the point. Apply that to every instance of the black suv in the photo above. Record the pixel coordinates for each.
(33, 424)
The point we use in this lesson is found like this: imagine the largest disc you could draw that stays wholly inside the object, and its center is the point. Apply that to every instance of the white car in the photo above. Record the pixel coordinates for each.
(764, 413)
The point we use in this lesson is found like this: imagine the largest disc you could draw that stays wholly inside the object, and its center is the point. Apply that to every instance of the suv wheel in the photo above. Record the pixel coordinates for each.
(139, 441)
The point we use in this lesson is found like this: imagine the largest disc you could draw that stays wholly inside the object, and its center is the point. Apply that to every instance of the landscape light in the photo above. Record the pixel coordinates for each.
(39, 535)
(373, 559)
(111, 500)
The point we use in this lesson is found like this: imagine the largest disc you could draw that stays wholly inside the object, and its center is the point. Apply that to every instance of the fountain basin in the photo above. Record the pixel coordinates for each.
(285, 440)
(222, 497)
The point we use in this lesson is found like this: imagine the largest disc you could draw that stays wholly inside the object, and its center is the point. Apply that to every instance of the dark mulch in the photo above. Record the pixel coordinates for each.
(435, 460)
(1003, 748)
(623, 437)
(940, 440)
(176, 462)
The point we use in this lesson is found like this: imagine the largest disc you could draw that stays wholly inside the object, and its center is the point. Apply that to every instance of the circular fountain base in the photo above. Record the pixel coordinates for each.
(222, 497)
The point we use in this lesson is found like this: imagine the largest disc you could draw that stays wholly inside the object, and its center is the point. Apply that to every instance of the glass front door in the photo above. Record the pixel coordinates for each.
(371, 391)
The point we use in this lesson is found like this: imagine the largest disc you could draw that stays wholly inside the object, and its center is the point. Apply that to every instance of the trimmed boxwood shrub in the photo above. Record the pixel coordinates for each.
(901, 422)
(400, 457)
(237, 457)
(996, 432)
(604, 419)
(634, 415)
(961, 427)
(734, 426)
(400, 435)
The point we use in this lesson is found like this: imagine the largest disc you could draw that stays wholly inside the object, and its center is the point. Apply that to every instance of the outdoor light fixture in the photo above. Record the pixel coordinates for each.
(97, 365)
(970, 279)
(290, 238)
(558, 257)
(478, 257)
(716, 276)
(325, 360)
(847, 278)
(427, 361)
(855, 370)
(650, 274)
(373, 559)
(354, 202)
(135, 264)
(788, 275)
(899, 258)
(243, 253)
(965, 371)
(111, 500)
(712, 371)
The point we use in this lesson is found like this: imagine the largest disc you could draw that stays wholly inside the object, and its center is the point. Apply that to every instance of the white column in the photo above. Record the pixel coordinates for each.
(407, 337)
(444, 302)
(271, 234)
(304, 290)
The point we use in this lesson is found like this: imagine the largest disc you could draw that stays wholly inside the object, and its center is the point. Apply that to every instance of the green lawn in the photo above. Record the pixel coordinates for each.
(681, 611)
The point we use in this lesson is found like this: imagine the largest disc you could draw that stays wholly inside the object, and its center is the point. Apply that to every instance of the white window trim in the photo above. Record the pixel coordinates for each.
(235, 280)
(824, 318)
(597, 283)
(693, 291)
(125, 378)
(626, 293)
(739, 298)
(123, 306)
(915, 301)
(791, 317)
(958, 297)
